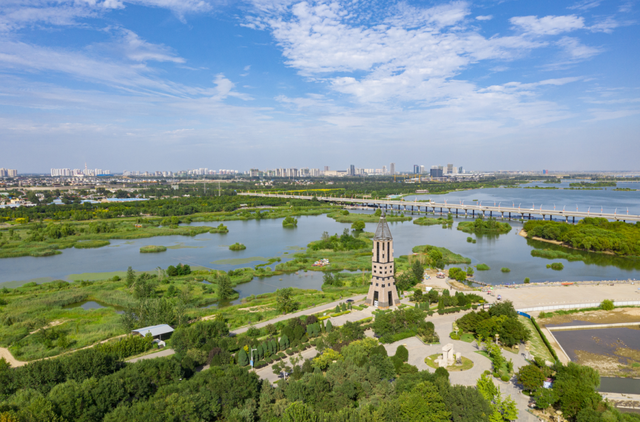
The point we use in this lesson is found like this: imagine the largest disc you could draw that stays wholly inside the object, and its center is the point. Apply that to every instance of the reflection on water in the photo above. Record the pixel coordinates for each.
(601, 341)
(260, 285)
(619, 385)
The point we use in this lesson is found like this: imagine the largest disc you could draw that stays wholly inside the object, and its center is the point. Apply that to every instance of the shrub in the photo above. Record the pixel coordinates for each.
(237, 247)
(505, 378)
(290, 352)
(527, 280)
(557, 266)
(505, 270)
(454, 336)
(474, 241)
(483, 267)
(402, 353)
(469, 239)
(607, 305)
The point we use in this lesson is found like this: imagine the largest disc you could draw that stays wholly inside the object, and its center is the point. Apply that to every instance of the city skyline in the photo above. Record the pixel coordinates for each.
(266, 83)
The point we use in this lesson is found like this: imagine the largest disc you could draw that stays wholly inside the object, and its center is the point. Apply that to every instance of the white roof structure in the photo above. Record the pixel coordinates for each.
(155, 330)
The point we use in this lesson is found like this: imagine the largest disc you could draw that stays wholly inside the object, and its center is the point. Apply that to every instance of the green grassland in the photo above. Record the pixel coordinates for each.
(341, 217)
(482, 226)
(448, 257)
(427, 221)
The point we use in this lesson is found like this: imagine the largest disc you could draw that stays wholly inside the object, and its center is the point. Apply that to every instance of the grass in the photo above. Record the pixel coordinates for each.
(367, 218)
(237, 247)
(153, 249)
(448, 257)
(537, 348)
(483, 267)
(87, 244)
(553, 254)
(427, 221)
(467, 338)
(505, 270)
(466, 363)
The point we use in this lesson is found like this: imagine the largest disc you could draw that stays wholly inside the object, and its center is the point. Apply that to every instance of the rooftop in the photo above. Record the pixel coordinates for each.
(383, 232)
(155, 330)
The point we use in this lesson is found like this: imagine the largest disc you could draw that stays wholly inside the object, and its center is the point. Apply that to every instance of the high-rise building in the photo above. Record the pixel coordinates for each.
(436, 171)
(392, 168)
(352, 170)
(416, 169)
(382, 288)
(326, 168)
(384, 169)
(421, 169)
(449, 168)
(460, 170)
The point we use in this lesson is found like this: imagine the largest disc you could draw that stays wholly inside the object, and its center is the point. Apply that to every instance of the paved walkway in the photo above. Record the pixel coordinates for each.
(309, 311)
(162, 353)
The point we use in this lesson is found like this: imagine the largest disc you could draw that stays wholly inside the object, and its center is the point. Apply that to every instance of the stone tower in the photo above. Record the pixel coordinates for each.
(382, 291)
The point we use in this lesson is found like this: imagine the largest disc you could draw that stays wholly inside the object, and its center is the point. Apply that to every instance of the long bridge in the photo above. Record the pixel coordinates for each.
(478, 210)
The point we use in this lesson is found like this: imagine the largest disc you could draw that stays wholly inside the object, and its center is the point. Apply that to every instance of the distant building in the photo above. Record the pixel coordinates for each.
(392, 168)
(460, 170)
(352, 170)
(449, 168)
(8, 172)
(326, 168)
(416, 169)
(436, 171)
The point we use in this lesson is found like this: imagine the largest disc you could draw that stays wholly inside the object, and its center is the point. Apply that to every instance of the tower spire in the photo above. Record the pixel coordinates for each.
(382, 289)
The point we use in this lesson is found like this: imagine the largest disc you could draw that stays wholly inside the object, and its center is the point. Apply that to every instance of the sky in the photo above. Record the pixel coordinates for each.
(221, 84)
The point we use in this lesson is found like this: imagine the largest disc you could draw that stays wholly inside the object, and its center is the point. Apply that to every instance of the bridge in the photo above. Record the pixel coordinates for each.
(478, 210)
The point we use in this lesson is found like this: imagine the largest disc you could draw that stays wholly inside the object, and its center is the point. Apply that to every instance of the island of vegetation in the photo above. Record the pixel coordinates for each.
(220, 229)
(344, 216)
(554, 180)
(592, 184)
(482, 226)
(152, 249)
(427, 221)
(624, 190)
(290, 222)
(237, 247)
(592, 234)
(482, 267)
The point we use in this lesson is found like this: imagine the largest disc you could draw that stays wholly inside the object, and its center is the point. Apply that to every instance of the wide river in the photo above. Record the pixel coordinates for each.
(267, 238)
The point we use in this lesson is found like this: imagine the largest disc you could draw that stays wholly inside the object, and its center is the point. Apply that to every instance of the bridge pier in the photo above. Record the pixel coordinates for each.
(440, 210)
(574, 219)
(473, 213)
(456, 212)
(490, 214)
(502, 218)
(465, 213)
(529, 216)
(482, 213)
(543, 217)
(509, 215)
(566, 219)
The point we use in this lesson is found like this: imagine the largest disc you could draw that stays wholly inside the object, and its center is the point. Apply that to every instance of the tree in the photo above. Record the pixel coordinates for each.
(378, 212)
(284, 300)
(417, 270)
(607, 305)
(435, 258)
(358, 226)
(402, 353)
(131, 277)
(243, 359)
(423, 403)
(224, 291)
(545, 397)
(329, 327)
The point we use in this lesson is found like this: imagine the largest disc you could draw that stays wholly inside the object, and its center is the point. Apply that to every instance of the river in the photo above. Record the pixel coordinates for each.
(267, 238)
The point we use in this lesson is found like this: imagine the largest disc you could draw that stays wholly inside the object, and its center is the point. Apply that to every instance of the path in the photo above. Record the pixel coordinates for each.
(160, 354)
(309, 311)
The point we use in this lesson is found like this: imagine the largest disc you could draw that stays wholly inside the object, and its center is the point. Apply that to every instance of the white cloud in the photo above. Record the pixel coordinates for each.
(575, 50)
(484, 17)
(585, 5)
(140, 50)
(605, 114)
(548, 25)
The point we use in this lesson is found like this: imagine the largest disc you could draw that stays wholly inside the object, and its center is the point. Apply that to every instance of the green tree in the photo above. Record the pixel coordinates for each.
(329, 327)
(607, 305)
(225, 289)
(284, 300)
(417, 270)
(131, 277)
(243, 359)
(378, 212)
(423, 404)
(358, 226)
(545, 397)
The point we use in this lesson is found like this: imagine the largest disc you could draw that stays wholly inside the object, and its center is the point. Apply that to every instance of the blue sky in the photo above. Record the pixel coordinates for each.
(179, 84)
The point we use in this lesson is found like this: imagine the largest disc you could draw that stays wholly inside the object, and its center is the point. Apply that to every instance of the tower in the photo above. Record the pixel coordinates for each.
(382, 290)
